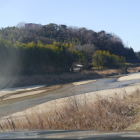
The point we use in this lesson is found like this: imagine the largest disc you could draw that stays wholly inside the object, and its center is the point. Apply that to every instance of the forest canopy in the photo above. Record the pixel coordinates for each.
(34, 48)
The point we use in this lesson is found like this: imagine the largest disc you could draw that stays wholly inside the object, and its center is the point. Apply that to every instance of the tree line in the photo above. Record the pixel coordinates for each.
(36, 58)
(54, 48)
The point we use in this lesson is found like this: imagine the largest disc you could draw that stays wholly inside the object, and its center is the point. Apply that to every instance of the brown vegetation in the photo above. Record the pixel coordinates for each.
(61, 78)
(133, 69)
(104, 114)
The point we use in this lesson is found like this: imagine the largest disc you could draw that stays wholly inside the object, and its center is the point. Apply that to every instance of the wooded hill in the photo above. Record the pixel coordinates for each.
(54, 48)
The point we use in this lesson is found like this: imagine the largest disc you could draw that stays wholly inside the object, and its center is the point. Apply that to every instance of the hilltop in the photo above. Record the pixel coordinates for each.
(36, 49)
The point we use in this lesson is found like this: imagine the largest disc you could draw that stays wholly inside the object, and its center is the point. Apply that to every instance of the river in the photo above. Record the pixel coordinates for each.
(22, 103)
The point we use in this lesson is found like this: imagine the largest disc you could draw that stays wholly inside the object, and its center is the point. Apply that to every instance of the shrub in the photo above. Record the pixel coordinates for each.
(103, 59)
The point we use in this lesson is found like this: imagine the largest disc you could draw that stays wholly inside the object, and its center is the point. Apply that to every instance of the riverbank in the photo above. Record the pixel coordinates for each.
(116, 111)
(108, 106)
(63, 78)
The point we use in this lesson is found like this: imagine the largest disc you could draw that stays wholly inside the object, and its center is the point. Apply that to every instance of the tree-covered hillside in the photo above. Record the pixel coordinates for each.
(37, 48)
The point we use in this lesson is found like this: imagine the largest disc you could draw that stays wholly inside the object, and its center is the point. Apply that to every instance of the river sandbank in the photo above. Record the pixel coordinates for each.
(129, 77)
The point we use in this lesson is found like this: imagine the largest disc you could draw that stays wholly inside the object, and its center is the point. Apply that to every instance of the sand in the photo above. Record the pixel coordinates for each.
(24, 94)
(83, 82)
(129, 77)
(19, 89)
(28, 91)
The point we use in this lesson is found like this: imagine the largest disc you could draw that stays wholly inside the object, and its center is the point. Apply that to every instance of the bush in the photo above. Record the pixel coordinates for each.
(103, 59)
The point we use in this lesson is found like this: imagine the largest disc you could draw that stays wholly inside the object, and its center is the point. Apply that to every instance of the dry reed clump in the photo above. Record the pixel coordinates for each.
(134, 69)
(104, 114)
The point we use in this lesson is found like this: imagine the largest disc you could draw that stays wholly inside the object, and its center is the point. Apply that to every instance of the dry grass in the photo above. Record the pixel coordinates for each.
(53, 78)
(133, 101)
(104, 114)
(107, 72)
(67, 77)
(62, 78)
(133, 69)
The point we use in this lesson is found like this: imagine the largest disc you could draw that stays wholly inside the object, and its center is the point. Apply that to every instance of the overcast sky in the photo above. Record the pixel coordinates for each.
(120, 17)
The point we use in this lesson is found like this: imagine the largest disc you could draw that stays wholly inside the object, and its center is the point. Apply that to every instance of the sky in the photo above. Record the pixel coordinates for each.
(119, 17)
